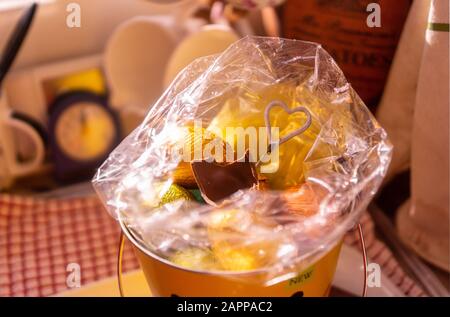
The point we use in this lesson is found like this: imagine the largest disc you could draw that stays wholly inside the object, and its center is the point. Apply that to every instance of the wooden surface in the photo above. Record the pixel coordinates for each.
(134, 286)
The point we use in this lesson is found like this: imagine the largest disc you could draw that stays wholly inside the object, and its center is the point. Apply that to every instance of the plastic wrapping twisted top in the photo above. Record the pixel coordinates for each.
(310, 190)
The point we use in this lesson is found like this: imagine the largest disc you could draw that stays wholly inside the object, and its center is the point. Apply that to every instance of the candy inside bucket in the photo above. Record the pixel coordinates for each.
(177, 182)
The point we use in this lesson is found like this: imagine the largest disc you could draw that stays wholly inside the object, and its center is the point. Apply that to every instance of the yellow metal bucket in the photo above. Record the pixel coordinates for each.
(167, 279)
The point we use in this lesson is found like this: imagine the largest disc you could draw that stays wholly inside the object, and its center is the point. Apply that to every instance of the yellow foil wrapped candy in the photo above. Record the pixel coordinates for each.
(174, 193)
(233, 258)
(195, 259)
(196, 140)
(165, 193)
(234, 254)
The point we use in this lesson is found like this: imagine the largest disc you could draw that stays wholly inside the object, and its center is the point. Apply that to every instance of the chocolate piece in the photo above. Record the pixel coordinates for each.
(217, 181)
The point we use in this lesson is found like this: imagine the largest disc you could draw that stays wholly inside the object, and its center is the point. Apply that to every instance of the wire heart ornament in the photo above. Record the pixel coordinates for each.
(279, 103)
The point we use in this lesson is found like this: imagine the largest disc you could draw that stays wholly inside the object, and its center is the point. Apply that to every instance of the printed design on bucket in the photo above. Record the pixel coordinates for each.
(300, 279)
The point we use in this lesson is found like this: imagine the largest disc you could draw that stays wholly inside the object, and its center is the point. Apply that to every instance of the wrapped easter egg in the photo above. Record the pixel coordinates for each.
(183, 176)
(229, 232)
(174, 193)
(241, 255)
(228, 220)
(197, 140)
(236, 220)
(195, 259)
(303, 200)
(165, 193)
(232, 258)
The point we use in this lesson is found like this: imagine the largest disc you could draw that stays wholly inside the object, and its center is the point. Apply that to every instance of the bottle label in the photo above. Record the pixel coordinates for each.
(364, 53)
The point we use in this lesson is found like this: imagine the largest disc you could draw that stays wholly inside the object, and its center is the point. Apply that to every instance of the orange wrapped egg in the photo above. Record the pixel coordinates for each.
(303, 200)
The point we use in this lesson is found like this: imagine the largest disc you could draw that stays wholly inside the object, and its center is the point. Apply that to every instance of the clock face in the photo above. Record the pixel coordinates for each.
(85, 131)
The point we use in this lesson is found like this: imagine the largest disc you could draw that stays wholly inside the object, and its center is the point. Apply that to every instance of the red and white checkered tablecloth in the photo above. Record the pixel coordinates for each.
(39, 238)
(379, 253)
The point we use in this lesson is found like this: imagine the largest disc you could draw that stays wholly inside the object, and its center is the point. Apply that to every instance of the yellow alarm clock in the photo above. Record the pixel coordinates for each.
(83, 130)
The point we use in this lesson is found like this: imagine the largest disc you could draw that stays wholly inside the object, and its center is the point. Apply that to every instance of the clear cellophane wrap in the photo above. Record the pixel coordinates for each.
(324, 178)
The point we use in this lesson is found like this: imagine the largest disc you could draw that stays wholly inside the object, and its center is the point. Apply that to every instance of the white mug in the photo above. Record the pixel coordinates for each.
(10, 165)
(145, 53)
(135, 59)
(137, 53)
(207, 40)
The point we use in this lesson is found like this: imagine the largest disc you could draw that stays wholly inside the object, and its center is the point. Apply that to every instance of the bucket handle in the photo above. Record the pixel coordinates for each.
(364, 255)
(122, 246)
(119, 263)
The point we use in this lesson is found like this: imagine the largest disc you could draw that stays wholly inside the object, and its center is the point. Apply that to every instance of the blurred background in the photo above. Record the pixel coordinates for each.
(88, 71)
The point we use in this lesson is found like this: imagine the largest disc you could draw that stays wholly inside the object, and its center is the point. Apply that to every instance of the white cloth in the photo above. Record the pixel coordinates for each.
(395, 112)
(424, 226)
